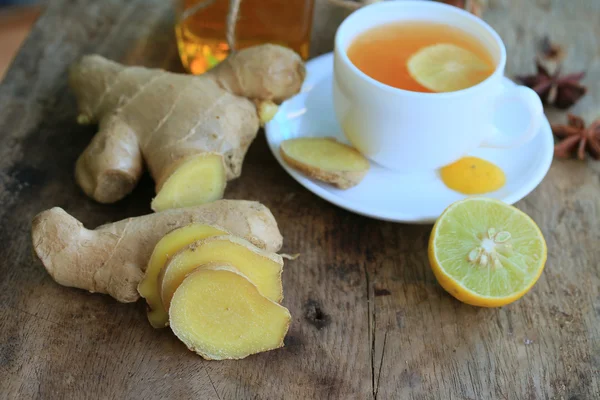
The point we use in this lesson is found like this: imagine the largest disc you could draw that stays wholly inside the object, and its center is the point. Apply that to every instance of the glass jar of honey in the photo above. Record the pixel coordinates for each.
(202, 25)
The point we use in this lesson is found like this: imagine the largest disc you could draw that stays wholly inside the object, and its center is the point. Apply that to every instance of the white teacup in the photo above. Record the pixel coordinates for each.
(412, 131)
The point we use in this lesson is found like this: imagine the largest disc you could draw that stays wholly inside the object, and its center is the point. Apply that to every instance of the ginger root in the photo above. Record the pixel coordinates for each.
(218, 313)
(112, 258)
(262, 268)
(326, 159)
(170, 244)
(171, 122)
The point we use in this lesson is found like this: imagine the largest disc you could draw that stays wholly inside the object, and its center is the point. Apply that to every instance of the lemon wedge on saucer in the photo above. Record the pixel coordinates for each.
(447, 68)
(485, 252)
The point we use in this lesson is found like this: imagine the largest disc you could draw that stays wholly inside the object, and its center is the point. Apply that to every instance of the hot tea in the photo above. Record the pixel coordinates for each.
(421, 56)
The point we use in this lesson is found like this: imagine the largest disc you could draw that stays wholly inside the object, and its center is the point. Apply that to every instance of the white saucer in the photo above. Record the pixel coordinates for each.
(386, 194)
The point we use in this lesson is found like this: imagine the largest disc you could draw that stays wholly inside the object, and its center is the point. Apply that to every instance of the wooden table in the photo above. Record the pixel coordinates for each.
(369, 319)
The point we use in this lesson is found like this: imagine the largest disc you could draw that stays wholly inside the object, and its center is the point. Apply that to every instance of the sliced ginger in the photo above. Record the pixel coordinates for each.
(198, 180)
(326, 159)
(112, 258)
(261, 267)
(218, 313)
(170, 244)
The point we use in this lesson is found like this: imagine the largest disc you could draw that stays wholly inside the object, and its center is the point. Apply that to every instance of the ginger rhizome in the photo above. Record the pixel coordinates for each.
(166, 247)
(261, 267)
(326, 159)
(220, 314)
(221, 291)
(112, 258)
(192, 132)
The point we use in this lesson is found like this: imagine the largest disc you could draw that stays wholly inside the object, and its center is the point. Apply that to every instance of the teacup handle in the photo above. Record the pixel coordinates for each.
(528, 102)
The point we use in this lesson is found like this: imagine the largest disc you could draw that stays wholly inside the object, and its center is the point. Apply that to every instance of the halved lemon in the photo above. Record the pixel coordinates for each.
(485, 252)
(447, 68)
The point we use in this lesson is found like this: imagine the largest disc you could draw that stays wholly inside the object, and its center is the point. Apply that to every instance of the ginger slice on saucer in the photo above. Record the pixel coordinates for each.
(326, 159)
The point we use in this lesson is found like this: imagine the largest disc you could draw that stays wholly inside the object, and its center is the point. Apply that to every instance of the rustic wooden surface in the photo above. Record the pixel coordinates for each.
(369, 319)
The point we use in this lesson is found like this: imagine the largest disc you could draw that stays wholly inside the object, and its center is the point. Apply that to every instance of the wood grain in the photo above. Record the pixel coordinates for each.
(369, 320)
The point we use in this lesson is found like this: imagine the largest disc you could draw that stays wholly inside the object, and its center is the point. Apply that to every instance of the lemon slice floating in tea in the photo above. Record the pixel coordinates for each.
(447, 68)
(485, 252)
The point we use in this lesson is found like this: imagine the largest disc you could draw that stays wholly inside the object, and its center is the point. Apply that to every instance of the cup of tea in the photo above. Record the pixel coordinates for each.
(417, 85)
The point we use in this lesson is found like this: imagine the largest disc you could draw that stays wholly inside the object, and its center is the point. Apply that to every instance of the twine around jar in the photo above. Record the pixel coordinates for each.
(231, 21)
(232, 16)
(234, 9)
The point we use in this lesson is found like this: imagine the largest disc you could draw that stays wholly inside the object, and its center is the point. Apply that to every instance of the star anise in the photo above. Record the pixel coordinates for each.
(553, 89)
(577, 139)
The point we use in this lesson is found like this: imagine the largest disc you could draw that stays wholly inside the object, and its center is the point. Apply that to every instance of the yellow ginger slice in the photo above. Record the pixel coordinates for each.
(261, 267)
(198, 180)
(170, 244)
(326, 159)
(219, 314)
(112, 258)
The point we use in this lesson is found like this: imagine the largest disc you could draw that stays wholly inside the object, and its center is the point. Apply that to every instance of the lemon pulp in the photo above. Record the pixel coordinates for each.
(446, 67)
(485, 252)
